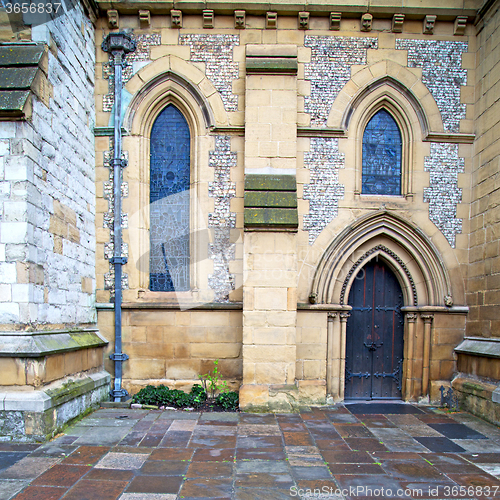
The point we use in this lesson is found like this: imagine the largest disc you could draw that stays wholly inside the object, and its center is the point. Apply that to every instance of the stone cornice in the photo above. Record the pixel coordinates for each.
(412, 9)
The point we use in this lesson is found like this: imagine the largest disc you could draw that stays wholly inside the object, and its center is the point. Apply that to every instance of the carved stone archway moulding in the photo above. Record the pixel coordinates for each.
(413, 258)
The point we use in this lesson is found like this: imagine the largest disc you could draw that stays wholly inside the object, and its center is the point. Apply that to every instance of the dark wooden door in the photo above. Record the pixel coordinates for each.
(374, 337)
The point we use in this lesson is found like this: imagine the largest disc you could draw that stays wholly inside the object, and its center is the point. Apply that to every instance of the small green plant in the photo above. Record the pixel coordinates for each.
(228, 400)
(163, 396)
(211, 381)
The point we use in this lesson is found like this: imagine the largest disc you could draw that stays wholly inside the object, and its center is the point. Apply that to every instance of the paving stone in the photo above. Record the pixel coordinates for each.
(183, 425)
(258, 454)
(212, 441)
(132, 438)
(485, 458)
(404, 419)
(365, 444)
(420, 430)
(28, 468)
(411, 470)
(174, 439)
(376, 421)
(171, 454)
(62, 475)
(148, 496)
(220, 416)
(123, 461)
(382, 408)
(391, 455)
(164, 468)
(308, 472)
(360, 485)
(264, 480)
(297, 439)
(214, 455)
(258, 430)
(203, 487)
(353, 430)
(38, 492)
(92, 489)
(457, 431)
(152, 439)
(53, 450)
(155, 484)
(259, 441)
(215, 430)
(319, 488)
(9, 487)
(394, 433)
(407, 445)
(261, 494)
(210, 469)
(179, 415)
(292, 426)
(86, 455)
(304, 456)
(342, 418)
(334, 444)
(440, 444)
(19, 447)
(478, 445)
(9, 458)
(254, 466)
(347, 457)
(132, 449)
(110, 475)
(493, 470)
(252, 418)
(95, 436)
(475, 480)
(423, 490)
(355, 469)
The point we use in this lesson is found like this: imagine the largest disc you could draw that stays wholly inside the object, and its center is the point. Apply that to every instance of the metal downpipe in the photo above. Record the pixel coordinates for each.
(118, 44)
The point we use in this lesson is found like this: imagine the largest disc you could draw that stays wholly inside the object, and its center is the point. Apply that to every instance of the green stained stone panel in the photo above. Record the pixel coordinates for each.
(13, 101)
(271, 65)
(273, 199)
(271, 217)
(262, 182)
(16, 55)
(17, 78)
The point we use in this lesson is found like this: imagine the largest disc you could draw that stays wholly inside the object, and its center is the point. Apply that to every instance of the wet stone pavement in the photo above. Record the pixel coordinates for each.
(357, 451)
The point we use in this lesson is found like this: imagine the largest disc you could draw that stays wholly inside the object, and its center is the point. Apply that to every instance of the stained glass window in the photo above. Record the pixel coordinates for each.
(169, 202)
(382, 156)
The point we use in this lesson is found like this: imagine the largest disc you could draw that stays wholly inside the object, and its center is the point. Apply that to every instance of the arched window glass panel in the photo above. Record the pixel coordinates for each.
(169, 202)
(382, 156)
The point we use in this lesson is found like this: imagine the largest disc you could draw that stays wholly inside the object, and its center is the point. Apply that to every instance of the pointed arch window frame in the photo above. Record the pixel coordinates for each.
(402, 120)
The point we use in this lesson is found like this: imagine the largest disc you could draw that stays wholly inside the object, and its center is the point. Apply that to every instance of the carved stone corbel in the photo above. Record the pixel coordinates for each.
(366, 22)
(208, 19)
(397, 23)
(239, 19)
(113, 19)
(303, 20)
(335, 18)
(144, 18)
(271, 20)
(460, 25)
(176, 18)
(428, 28)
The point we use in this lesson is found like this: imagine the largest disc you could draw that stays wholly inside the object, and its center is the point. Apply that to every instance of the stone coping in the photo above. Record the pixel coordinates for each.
(39, 401)
(43, 343)
(479, 346)
(219, 306)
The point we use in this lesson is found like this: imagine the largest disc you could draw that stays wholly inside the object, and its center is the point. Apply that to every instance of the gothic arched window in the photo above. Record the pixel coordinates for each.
(169, 202)
(382, 152)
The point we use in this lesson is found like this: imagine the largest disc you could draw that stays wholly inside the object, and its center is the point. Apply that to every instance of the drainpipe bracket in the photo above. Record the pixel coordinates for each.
(118, 356)
(118, 260)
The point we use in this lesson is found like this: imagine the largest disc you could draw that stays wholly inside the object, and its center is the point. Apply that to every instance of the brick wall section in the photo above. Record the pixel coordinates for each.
(47, 191)
(483, 284)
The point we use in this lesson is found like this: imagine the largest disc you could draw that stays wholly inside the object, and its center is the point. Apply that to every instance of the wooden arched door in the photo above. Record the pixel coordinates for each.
(374, 336)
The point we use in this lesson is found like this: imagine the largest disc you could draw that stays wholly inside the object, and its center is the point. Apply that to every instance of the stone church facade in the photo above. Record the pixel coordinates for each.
(307, 194)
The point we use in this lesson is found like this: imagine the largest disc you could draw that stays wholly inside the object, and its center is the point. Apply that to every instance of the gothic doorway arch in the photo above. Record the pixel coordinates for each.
(374, 335)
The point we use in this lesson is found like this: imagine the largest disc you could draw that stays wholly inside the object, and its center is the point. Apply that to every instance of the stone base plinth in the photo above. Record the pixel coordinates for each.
(37, 415)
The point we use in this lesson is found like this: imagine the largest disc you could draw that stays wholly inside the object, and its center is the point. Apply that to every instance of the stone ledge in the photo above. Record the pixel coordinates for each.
(479, 397)
(44, 343)
(479, 346)
(35, 416)
(42, 400)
